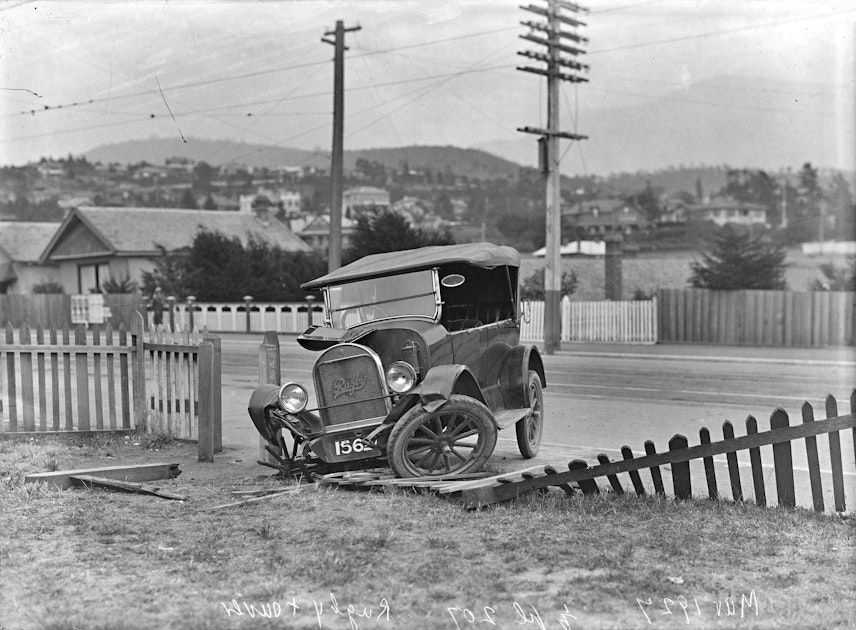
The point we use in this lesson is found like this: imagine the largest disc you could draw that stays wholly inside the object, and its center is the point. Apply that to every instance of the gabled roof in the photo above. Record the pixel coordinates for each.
(139, 231)
(485, 255)
(24, 241)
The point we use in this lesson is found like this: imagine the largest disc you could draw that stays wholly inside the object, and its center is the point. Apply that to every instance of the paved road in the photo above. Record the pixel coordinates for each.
(601, 397)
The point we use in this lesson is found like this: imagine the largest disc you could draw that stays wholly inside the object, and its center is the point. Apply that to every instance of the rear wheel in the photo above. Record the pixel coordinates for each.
(457, 438)
(530, 428)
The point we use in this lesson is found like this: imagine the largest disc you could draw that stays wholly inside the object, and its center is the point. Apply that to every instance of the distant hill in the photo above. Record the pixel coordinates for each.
(469, 162)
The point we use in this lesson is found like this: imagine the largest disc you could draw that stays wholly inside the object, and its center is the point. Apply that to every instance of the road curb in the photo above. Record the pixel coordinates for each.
(717, 359)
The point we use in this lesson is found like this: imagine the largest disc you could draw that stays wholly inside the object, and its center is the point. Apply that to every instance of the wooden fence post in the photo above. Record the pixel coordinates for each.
(82, 372)
(835, 457)
(206, 431)
(269, 373)
(138, 371)
(813, 461)
(11, 389)
(733, 468)
(27, 392)
(755, 460)
(783, 462)
(709, 472)
(217, 399)
(681, 470)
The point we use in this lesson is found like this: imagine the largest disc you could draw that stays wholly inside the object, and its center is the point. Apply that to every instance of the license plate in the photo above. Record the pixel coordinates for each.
(354, 445)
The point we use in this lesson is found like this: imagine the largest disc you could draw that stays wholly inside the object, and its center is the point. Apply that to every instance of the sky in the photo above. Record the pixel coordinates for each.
(75, 75)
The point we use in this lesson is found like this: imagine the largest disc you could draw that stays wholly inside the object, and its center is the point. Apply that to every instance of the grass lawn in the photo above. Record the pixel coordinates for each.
(330, 558)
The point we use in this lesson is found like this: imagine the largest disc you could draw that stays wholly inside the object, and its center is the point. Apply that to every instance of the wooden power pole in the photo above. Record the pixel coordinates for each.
(335, 252)
(559, 56)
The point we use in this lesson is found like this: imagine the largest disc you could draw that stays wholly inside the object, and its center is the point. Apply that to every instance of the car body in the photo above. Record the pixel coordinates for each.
(420, 364)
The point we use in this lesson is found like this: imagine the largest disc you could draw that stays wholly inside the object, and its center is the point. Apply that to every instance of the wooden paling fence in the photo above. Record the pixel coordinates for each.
(97, 380)
(781, 436)
(181, 394)
(58, 381)
(764, 318)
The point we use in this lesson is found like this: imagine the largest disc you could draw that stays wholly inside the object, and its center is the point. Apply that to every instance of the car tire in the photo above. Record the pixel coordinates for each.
(531, 428)
(459, 437)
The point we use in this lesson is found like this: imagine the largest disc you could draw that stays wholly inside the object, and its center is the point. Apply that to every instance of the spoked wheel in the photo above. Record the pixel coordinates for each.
(530, 428)
(457, 438)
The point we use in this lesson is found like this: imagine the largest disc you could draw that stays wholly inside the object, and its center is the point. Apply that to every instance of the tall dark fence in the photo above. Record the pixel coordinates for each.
(54, 310)
(759, 318)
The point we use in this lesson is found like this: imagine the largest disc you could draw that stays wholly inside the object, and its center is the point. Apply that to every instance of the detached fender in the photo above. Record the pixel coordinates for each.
(264, 396)
(444, 380)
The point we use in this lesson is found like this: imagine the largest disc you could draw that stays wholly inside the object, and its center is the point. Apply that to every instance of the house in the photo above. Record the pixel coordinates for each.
(21, 247)
(603, 216)
(316, 234)
(93, 244)
(725, 210)
(357, 200)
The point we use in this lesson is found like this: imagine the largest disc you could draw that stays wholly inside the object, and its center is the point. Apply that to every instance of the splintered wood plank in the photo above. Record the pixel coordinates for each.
(589, 485)
(733, 469)
(627, 454)
(90, 481)
(757, 467)
(783, 462)
(496, 480)
(813, 462)
(835, 462)
(709, 470)
(656, 477)
(681, 470)
(140, 472)
(613, 479)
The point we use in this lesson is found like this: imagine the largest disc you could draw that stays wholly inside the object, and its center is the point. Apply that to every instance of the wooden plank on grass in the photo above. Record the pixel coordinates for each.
(627, 453)
(656, 477)
(709, 472)
(90, 481)
(813, 462)
(138, 472)
(733, 469)
(681, 470)
(783, 462)
(835, 463)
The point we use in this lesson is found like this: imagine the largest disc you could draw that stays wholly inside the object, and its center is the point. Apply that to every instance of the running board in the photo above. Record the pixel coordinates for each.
(505, 419)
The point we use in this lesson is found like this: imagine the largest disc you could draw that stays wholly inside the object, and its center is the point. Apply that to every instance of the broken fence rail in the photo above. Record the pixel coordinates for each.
(479, 492)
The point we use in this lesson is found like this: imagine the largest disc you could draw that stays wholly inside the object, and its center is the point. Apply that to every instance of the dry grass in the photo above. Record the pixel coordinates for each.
(95, 559)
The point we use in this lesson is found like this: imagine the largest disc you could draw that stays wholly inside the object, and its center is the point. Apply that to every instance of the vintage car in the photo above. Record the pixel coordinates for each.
(420, 365)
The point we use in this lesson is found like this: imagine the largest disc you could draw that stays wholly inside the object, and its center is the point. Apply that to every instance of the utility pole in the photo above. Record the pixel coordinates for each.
(335, 252)
(559, 55)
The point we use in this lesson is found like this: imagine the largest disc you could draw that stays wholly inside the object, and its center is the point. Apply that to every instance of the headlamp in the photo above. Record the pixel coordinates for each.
(293, 398)
(400, 377)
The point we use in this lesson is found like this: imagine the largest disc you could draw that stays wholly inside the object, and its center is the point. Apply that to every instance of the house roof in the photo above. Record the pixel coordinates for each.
(24, 241)
(139, 231)
(485, 255)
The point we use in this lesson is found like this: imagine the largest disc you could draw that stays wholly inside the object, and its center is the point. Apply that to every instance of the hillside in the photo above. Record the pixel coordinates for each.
(471, 163)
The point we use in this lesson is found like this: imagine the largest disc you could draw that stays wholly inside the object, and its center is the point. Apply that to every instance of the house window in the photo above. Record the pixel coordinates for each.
(90, 277)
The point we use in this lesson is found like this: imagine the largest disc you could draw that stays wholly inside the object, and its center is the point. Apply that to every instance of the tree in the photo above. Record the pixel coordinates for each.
(739, 260)
(533, 287)
(387, 231)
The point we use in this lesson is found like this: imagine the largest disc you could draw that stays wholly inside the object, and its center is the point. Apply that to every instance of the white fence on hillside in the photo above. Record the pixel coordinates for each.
(607, 321)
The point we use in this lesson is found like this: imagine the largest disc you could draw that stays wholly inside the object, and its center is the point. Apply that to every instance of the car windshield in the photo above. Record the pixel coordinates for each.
(404, 295)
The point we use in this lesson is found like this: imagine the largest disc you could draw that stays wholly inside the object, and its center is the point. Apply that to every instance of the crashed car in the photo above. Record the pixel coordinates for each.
(420, 365)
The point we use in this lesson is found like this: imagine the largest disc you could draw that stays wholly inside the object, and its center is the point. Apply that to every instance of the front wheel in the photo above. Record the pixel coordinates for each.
(457, 438)
(530, 428)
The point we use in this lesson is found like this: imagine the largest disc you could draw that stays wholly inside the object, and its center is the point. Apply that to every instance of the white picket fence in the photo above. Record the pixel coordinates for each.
(607, 321)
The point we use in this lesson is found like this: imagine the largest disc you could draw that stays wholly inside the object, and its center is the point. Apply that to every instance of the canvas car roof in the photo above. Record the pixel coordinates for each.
(484, 255)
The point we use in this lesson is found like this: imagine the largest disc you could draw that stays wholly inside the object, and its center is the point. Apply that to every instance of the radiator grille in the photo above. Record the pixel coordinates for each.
(349, 389)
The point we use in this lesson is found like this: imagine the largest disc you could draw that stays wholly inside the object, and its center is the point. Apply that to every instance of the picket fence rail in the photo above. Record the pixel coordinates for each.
(582, 477)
